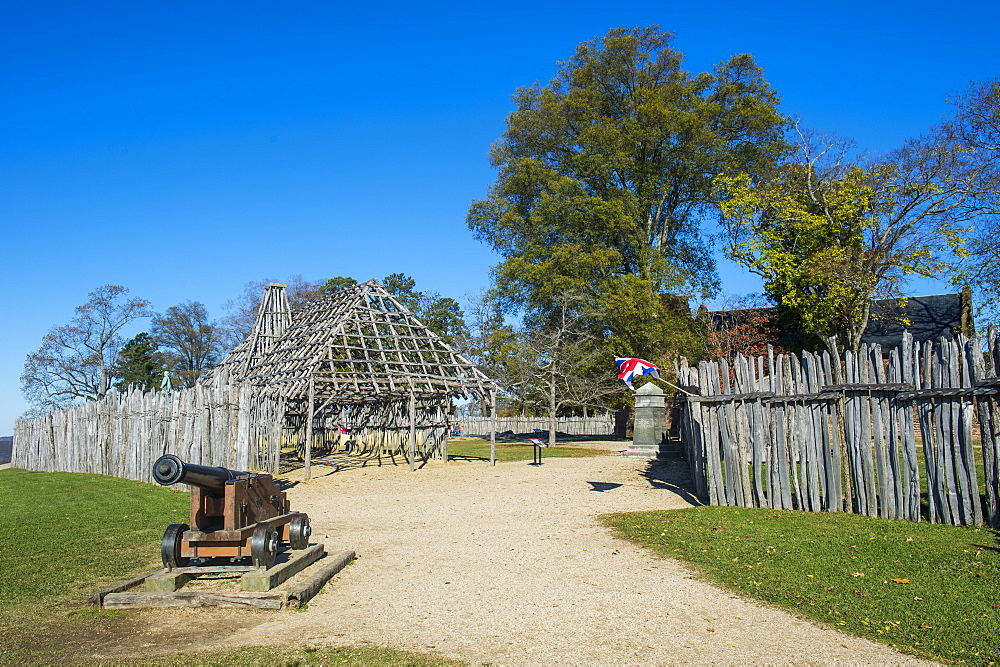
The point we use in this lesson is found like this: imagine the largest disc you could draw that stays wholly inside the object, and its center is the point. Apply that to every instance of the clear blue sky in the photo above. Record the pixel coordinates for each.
(183, 149)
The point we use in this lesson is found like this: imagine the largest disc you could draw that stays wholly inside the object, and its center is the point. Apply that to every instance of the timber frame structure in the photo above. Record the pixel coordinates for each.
(358, 362)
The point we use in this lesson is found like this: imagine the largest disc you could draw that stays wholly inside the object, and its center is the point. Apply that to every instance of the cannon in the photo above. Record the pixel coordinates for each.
(233, 514)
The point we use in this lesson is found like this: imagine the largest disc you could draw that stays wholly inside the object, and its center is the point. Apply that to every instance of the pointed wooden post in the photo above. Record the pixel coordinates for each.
(493, 427)
(413, 431)
(309, 427)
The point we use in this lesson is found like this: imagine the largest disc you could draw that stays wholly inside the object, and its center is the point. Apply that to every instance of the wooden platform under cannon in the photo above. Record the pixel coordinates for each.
(292, 581)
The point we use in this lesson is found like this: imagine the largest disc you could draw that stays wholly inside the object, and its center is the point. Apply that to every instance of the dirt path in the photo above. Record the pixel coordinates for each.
(508, 565)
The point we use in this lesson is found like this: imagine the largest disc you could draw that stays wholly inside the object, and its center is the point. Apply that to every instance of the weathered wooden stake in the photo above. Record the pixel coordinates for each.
(493, 427)
(413, 431)
(309, 428)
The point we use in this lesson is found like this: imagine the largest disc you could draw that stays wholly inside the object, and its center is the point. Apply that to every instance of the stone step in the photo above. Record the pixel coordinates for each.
(664, 451)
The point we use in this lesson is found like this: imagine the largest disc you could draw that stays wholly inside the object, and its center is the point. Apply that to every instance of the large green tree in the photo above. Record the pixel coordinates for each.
(139, 365)
(605, 176)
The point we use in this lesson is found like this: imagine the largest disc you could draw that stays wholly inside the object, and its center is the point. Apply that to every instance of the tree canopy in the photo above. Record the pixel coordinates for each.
(975, 125)
(76, 361)
(828, 232)
(191, 343)
(442, 315)
(139, 365)
(242, 311)
(605, 173)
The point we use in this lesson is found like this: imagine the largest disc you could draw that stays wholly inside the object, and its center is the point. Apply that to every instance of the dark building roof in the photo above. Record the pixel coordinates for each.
(925, 317)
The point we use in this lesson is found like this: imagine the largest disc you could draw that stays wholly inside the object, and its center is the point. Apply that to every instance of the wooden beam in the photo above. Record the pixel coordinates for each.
(304, 591)
(493, 427)
(413, 431)
(309, 428)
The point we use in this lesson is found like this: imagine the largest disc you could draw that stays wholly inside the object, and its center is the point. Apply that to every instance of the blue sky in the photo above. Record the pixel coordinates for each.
(184, 149)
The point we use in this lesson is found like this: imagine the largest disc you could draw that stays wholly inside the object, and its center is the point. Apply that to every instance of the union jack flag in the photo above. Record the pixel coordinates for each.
(630, 368)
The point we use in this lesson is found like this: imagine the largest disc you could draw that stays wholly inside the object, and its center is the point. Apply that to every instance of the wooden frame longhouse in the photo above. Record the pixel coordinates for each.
(356, 359)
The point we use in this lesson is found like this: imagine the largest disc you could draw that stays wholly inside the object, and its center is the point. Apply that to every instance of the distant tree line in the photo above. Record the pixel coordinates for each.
(89, 357)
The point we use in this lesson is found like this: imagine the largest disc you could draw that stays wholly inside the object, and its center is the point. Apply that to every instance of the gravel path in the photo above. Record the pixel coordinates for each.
(508, 565)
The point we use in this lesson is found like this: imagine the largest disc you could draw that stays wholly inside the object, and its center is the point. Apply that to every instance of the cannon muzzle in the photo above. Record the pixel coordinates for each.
(169, 470)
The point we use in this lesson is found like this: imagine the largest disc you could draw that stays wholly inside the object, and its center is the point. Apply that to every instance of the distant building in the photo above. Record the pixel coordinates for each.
(927, 318)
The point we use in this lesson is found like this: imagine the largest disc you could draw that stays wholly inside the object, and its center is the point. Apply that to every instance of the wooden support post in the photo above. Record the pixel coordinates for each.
(413, 431)
(493, 427)
(447, 432)
(309, 428)
(167, 581)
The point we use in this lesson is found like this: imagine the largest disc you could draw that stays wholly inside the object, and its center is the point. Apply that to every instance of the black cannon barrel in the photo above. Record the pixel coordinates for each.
(169, 469)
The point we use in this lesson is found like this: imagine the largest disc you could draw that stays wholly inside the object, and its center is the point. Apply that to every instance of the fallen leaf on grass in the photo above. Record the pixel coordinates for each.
(925, 626)
(857, 574)
(901, 581)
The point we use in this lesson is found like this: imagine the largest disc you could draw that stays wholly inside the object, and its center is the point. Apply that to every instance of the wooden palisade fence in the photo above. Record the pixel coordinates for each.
(805, 432)
(228, 424)
(123, 433)
(591, 425)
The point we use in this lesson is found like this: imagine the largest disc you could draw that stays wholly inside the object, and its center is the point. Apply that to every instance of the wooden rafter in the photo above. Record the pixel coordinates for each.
(356, 346)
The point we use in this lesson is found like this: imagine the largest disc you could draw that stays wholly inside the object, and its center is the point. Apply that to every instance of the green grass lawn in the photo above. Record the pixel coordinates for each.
(925, 589)
(514, 451)
(64, 536)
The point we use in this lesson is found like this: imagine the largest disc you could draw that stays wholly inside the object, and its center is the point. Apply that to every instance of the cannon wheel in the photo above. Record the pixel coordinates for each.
(264, 545)
(299, 531)
(170, 547)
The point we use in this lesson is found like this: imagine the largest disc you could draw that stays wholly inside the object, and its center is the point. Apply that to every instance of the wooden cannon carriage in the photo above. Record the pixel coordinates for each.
(234, 514)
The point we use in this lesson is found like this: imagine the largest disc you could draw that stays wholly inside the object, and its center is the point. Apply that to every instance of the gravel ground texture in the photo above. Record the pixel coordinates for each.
(508, 564)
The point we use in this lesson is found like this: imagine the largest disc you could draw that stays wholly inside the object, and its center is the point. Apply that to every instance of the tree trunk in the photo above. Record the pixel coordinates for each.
(552, 410)
(857, 329)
